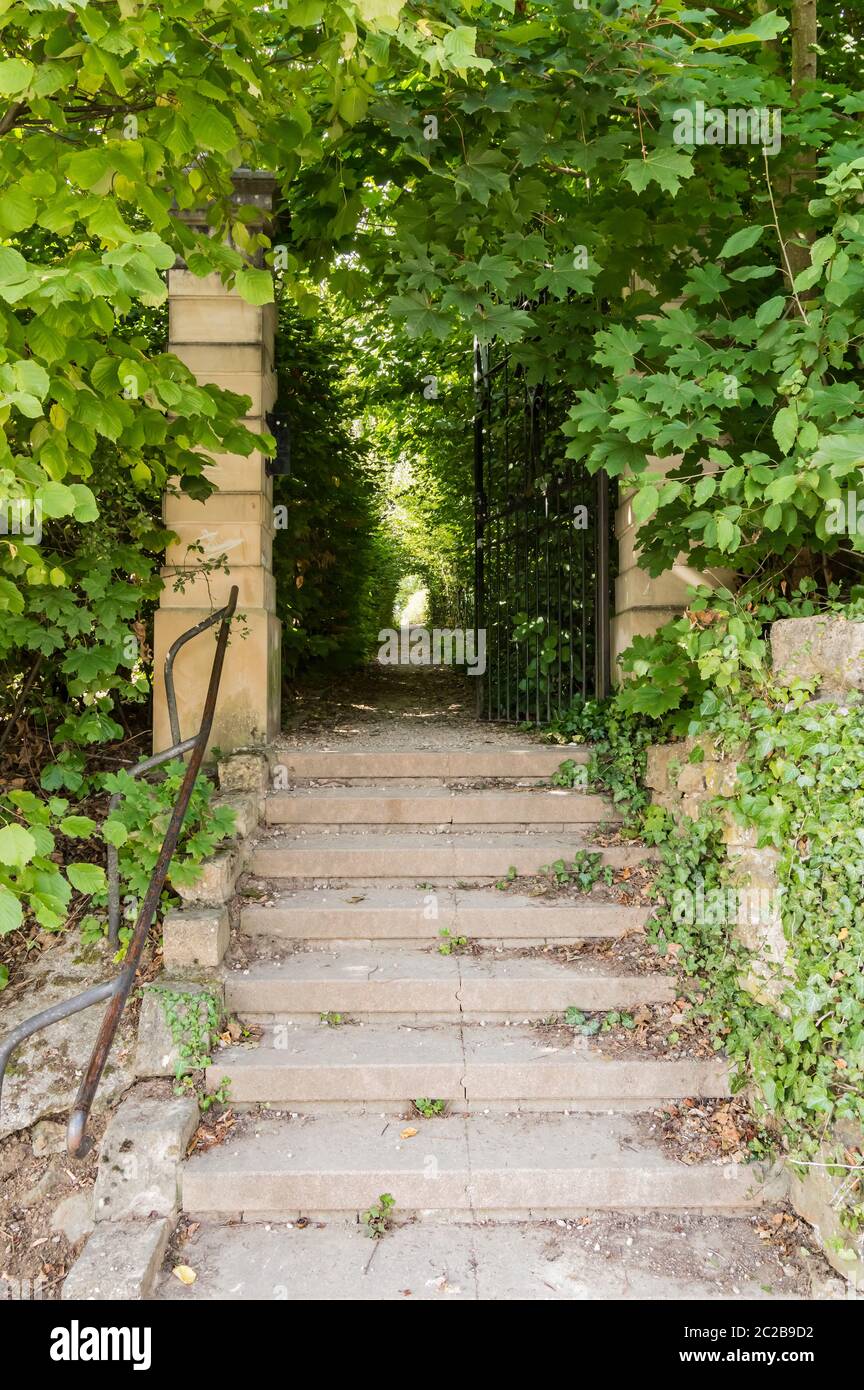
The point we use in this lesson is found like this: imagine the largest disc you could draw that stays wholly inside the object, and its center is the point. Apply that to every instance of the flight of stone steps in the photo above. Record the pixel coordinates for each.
(365, 860)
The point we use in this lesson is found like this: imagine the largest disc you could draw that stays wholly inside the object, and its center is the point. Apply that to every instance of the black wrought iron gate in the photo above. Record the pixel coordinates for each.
(542, 531)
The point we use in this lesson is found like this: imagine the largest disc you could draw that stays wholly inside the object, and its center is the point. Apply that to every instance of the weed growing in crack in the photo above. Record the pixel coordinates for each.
(377, 1218)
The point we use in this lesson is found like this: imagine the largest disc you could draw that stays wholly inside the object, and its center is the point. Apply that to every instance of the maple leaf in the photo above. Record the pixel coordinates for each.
(664, 166)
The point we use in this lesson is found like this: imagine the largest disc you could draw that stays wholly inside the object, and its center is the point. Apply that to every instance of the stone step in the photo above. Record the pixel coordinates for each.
(632, 1256)
(392, 914)
(423, 857)
(479, 1167)
(418, 984)
(537, 760)
(375, 1066)
(436, 806)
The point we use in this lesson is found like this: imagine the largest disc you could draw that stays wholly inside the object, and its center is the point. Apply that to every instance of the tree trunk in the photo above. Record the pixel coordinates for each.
(804, 69)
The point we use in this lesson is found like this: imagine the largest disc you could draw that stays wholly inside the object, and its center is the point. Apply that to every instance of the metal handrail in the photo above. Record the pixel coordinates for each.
(117, 990)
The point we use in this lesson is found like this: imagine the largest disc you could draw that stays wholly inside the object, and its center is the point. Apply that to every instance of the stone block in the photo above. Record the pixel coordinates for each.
(222, 509)
(817, 1196)
(231, 543)
(196, 937)
(157, 1054)
(663, 760)
(249, 705)
(720, 778)
(691, 778)
(636, 588)
(119, 1263)
(221, 319)
(240, 472)
(139, 1164)
(256, 588)
(829, 649)
(244, 771)
(216, 882)
(247, 808)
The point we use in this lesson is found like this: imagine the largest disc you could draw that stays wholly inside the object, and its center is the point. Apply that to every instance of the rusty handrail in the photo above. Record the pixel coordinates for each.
(116, 991)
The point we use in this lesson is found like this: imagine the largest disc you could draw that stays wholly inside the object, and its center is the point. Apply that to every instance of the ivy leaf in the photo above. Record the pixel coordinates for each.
(666, 167)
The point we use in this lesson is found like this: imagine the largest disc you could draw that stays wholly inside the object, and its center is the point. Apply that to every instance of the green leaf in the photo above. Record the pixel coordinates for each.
(56, 499)
(645, 502)
(87, 878)
(726, 533)
(785, 428)
(78, 827)
(115, 832)
(740, 241)
(86, 508)
(353, 104)
(255, 286)
(17, 210)
(770, 311)
(666, 167)
(759, 30)
(15, 76)
(11, 914)
(17, 846)
(382, 14)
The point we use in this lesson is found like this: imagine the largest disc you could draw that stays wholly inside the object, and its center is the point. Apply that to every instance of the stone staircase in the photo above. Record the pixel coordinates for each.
(364, 859)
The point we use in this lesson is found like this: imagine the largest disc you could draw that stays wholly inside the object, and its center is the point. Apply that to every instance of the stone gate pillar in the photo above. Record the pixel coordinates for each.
(230, 343)
(644, 603)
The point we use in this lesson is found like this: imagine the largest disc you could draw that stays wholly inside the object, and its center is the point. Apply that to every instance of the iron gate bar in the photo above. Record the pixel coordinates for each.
(116, 991)
(526, 557)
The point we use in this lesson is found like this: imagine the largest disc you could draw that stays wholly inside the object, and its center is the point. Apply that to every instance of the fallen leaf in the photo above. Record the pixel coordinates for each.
(184, 1274)
(408, 1133)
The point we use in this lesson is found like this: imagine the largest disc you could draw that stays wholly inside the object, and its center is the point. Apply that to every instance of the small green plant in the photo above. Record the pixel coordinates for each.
(584, 869)
(332, 1020)
(137, 827)
(192, 1017)
(377, 1218)
(509, 878)
(449, 943)
(591, 1024)
(207, 1099)
(429, 1108)
(570, 774)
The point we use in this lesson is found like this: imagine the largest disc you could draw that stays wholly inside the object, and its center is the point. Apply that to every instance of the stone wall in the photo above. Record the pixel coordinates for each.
(683, 778)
